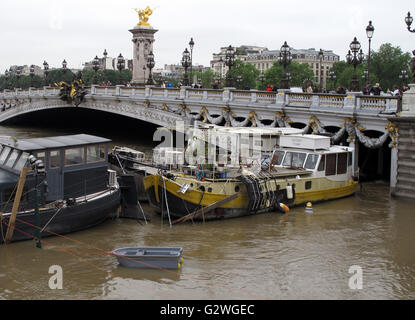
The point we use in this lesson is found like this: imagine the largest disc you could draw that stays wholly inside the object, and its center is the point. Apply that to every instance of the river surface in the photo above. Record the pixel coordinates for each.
(268, 256)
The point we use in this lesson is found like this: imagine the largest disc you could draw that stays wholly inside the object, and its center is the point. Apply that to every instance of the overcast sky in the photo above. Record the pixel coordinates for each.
(77, 30)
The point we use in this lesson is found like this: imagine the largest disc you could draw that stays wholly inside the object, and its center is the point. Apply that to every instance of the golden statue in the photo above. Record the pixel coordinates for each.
(143, 16)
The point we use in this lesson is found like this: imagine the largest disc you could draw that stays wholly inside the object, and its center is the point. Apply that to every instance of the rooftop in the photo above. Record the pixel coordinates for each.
(53, 142)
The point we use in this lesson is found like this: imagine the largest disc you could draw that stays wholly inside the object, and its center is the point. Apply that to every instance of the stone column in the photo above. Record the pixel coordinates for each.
(143, 39)
(408, 102)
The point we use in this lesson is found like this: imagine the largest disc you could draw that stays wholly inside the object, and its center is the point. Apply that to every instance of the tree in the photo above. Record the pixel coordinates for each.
(387, 64)
(207, 78)
(247, 71)
(299, 73)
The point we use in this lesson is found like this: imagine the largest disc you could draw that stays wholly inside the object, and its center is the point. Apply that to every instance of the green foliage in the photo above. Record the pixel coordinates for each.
(299, 73)
(247, 71)
(387, 64)
(207, 78)
(385, 68)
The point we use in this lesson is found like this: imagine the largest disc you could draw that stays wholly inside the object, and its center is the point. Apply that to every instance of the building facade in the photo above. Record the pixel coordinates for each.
(263, 59)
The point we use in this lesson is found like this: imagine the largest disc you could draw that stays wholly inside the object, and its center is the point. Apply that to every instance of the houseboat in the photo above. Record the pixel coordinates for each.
(67, 186)
(280, 167)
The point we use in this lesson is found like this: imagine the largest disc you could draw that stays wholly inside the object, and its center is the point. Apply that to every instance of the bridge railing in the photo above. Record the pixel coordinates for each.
(283, 98)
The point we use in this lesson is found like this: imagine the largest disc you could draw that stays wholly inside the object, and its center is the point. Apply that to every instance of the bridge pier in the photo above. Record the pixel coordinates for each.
(403, 158)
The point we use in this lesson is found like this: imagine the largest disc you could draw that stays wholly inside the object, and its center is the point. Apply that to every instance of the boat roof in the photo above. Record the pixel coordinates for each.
(53, 142)
(332, 149)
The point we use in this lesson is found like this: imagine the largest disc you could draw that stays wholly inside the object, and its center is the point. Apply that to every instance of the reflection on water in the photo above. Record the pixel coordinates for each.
(269, 256)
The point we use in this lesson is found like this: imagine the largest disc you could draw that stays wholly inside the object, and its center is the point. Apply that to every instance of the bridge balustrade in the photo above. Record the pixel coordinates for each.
(357, 102)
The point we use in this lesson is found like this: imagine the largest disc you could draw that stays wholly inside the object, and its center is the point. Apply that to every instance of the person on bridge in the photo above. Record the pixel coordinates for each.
(376, 89)
(366, 90)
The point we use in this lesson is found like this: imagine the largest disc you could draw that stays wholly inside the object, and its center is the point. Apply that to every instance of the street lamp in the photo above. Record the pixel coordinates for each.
(285, 59)
(6, 78)
(262, 79)
(321, 54)
(46, 72)
(230, 62)
(191, 45)
(409, 19)
(404, 76)
(365, 76)
(370, 29)
(18, 74)
(239, 81)
(332, 77)
(355, 57)
(186, 64)
(32, 74)
(120, 66)
(64, 66)
(150, 65)
(95, 66)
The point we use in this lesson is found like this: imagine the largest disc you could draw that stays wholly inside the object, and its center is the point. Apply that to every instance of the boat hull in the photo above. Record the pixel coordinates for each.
(180, 205)
(149, 258)
(69, 219)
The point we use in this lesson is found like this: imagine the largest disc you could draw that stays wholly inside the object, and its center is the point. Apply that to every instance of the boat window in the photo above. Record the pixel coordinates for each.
(21, 163)
(294, 159)
(41, 156)
(95, 154)
(277, 158)
(311, 161)
(331, 164)
(12, 159)
(350, 161)
(74, 156)
(4, 154)
(308, 185)
(54, 159)
(342, 163)
(322, 164)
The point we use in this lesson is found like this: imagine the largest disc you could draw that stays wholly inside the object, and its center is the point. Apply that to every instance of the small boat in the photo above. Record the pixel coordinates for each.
(149, 258)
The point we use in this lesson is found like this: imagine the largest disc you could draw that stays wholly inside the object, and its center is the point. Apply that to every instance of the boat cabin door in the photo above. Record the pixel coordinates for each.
(55, 175)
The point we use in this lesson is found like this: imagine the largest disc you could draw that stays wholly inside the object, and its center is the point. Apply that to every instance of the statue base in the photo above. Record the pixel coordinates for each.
(143, 39)
(408, 102)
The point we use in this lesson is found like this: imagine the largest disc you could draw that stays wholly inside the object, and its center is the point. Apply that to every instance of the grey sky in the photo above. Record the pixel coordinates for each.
(75, 30)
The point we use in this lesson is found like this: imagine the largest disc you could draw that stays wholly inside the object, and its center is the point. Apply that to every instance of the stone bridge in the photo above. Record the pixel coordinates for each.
(352, 115)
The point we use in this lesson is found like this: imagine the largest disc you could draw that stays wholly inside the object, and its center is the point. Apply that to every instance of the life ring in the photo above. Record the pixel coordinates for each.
(283, 208)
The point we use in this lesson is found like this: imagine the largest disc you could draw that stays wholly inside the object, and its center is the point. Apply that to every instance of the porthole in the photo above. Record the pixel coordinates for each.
(202, 188)
(237, 189)
(210, 190)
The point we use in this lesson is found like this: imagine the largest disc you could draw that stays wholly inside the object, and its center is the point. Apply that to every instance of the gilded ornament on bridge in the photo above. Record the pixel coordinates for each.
(143, 15)
(72, 93)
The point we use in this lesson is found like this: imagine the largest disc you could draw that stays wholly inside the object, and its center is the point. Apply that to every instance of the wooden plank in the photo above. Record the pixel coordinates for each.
(16, 203)
(207, 209)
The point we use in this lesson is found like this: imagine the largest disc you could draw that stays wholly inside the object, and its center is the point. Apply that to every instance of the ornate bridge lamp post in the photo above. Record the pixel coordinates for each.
(321, 55)
(332, 77)
(18, 74)
(230, 62)
(95, 67)
(46, 72)
(239, 81)
(404, 76)
(32, 74)
(120, 66)
(150, 65)
(285, 59)
(186, 64)
(365, 76)
(64, 66)
(262, 79)
(355, 57)
(191, 45)
(370, 29)
(409, 19)
(6, 79)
